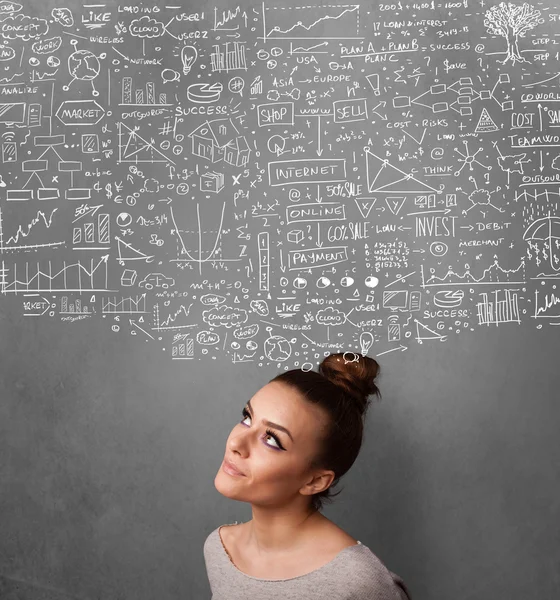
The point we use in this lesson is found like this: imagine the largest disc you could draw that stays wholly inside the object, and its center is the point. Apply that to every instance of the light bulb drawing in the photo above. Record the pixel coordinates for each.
(366, 341)
(189, 54)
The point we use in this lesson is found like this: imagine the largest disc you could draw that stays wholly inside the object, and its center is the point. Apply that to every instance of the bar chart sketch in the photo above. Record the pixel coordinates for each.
(503, 308)
(146, 95)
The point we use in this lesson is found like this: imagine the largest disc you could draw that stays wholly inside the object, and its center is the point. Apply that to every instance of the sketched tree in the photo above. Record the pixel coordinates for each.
(512, 22)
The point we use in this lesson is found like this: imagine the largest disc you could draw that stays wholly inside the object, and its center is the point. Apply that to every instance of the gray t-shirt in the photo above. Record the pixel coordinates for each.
(355, 573)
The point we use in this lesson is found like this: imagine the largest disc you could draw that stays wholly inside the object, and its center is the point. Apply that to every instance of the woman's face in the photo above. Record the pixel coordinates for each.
(276, 465)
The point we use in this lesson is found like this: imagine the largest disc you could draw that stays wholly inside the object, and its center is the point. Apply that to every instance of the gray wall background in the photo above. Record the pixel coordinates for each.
(109, 449)
(109, 456)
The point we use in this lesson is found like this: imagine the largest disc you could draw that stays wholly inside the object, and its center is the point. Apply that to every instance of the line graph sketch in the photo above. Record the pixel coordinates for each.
(75, 277)
(13, 242)
(124, 306)
(173, 320)
(186, 255)
(493, 275)
(301, 23)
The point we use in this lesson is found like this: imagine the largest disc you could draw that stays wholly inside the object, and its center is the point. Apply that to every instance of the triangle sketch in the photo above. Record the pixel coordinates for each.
(395, 204)
(389, 178)
(365, 206)
(137, 149)
(425, 333)
(485, 123)
(128, 252)
(373, 80)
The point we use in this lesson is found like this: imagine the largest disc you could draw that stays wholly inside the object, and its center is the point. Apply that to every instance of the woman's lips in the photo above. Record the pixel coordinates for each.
(231, 469)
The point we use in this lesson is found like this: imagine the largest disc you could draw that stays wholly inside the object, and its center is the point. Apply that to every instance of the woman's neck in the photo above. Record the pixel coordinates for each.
(280, 532)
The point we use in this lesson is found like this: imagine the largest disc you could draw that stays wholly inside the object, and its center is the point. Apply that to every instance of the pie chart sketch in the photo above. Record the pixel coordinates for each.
(276, 144)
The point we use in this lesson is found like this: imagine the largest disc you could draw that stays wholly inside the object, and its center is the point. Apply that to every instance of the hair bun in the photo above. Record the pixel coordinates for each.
(353, 372)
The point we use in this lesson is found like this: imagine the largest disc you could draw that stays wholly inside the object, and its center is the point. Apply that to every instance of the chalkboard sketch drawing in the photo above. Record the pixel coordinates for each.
(220, 140)
(24, 231)
(393, 329)
(373, 81)
(256, 86)
(83, 65)
(158, 280)
(127, 252)
(212, 182)
(124, 306)
(438, 249)
(310, 50)
(395, 299)
(511, 163)
(512, 21)
(213, 254)
(382, 176)
(53, 61)
(366, 341)
(236, 85)
(12, 112)
(63, 16)
(75, 277)
(9, 150)
(189, 54)
(556, 163)
(230, 58)
(90, 143)
(469, 159)
(448, 298)
(485, 123)
(80, 113)
(481, 197)
(226, 17)
(493, 274)
(74, 308)
(275, 95)
(172, 321)
(204, 93)
(128, 277)
(135, 149)
(277, 348)
(505, 310)
(276, 144)
(394, 204)
(93, 229)
(141, 96)
(423, 333)
(365, 205)
(547, 230)
(170, 75)
(334, 21)
(549, 308)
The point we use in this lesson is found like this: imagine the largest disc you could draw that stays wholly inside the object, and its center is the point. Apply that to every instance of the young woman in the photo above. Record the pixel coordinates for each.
(299, 435)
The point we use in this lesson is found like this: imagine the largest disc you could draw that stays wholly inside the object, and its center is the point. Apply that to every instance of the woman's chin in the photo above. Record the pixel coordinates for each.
(223, 483)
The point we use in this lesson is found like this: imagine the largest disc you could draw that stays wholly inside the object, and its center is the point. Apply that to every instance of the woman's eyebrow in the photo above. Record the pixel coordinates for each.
(270, 423)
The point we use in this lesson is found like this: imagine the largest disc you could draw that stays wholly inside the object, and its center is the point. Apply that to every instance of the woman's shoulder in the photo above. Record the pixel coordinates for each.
(213, 538)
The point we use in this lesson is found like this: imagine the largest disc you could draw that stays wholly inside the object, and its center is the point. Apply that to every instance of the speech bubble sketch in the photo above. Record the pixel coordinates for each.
(63, 16)
(236, 85)
(169, 75)
(146, 27)
(23, 27)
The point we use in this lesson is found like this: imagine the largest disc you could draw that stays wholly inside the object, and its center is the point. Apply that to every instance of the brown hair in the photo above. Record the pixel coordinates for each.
(341, 388)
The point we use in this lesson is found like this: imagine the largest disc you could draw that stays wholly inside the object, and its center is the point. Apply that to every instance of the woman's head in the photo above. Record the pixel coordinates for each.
(323, 413)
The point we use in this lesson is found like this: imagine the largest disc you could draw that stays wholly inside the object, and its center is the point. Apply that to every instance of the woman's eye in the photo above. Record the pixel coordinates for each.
(277, 445)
